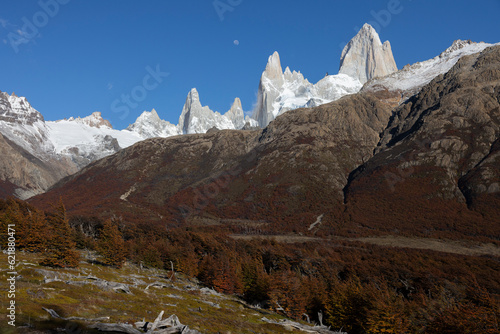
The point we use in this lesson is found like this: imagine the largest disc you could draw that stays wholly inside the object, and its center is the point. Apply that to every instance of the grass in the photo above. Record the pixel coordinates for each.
(89, 301)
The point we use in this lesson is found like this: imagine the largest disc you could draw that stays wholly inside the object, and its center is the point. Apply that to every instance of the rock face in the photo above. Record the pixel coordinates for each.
(281, 91)
(196, 118)
(24, 175)
(24, 125)
(44, 152)
(365, 57)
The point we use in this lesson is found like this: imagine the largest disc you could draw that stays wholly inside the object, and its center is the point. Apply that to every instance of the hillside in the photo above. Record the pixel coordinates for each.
(106, 295)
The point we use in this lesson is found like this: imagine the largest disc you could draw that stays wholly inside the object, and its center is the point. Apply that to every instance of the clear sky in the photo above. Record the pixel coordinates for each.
(74, 57)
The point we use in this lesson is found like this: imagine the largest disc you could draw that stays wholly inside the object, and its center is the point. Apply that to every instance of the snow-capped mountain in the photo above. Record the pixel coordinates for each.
(282, 91)
(85, 140)
(82, 140)
(196, 118)
(411, 78)
(68, 145)
(365, 57)
(150, 125)
(24, 125)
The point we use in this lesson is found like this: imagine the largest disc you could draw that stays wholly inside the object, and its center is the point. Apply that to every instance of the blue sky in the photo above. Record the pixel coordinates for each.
(74, 57)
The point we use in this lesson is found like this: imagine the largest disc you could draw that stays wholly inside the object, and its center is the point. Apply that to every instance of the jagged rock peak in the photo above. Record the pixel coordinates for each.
(95, 120)
(16, 109)
(457, 45)
(193, 95)
(196, 118)
(154, 114)
(236, 114)
(151, 116)
(273, 69)
(150, 125)
(365, 57)
(237, 104)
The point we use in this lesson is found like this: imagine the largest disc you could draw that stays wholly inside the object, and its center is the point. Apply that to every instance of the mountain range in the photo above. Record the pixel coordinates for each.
(360, 165)
(51, 150)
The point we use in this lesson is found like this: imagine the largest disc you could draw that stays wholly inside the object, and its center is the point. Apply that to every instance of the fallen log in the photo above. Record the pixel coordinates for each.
(158, 319)
(304, 328)
(54, 314)
(171, 325)
(172, 321)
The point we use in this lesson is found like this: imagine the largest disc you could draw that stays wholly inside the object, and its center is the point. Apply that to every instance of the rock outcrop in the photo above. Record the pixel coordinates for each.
(365, 57)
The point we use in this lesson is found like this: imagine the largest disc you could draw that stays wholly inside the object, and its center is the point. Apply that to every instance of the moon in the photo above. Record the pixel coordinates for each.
(236, 42)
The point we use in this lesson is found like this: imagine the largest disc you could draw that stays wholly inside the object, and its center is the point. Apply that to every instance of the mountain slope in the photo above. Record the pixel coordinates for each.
(23, 174)
(305, 152)
(436, 156)
(28, 165)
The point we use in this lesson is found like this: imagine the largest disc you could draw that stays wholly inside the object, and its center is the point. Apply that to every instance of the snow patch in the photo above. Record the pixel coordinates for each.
(318, 221)
(127, 194)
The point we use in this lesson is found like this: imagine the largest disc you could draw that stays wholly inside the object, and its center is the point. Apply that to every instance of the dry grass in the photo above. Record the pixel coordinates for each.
(68, 300)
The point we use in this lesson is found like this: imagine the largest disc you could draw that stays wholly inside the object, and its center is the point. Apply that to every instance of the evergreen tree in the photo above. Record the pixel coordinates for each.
(11, 215)
(111, 245)
(34, 236)
(60, 245)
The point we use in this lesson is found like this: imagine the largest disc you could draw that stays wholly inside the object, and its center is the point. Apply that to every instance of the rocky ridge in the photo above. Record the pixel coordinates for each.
(410, 79)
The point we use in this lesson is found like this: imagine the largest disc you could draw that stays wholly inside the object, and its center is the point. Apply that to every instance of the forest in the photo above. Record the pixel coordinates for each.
(355, 286)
